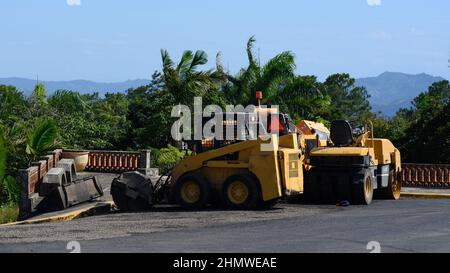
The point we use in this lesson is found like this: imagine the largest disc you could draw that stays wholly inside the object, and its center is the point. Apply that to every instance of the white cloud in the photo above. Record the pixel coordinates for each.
(374, 2)
(73, 2)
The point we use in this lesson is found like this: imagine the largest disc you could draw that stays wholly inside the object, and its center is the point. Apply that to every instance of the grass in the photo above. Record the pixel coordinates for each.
(8, 213)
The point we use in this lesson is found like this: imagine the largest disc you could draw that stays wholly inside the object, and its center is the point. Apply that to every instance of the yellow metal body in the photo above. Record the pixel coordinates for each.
(278, 169)
(308, 127)
(308, 131)
(381, 151)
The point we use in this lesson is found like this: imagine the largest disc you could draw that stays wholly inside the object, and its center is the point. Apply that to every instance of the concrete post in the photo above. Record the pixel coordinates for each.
(144, 162)
(25, 210)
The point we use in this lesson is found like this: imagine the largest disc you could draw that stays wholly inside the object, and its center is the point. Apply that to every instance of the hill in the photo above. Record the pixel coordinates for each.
(393, 90)
(83, 86)
(389, 91)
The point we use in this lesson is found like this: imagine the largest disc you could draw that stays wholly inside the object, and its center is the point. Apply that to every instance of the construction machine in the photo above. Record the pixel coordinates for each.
(356, 167)
(235, 173)
(343, 163)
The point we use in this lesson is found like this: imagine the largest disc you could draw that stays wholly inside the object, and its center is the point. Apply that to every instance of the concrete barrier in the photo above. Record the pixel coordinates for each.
(34, 190)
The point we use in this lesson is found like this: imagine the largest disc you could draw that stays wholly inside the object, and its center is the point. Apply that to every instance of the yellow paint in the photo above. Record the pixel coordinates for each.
(306, 126)
(63, 216)
(190, 192)
(340, 151)
(237, 192)
(383, 150)
(265, 165)
(292, 170)
(426, 195)
(226, 164)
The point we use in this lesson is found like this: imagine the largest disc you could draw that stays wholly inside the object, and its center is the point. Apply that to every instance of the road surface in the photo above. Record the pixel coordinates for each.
(406, 225)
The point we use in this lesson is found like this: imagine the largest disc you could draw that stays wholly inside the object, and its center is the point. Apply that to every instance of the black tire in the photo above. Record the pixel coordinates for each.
(250, 200)
(268, 204)
(200, 183)
(296, 199)
(363, 189)
(392, 191)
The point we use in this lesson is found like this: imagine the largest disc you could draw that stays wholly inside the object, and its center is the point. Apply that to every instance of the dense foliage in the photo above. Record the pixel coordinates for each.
(141, 117)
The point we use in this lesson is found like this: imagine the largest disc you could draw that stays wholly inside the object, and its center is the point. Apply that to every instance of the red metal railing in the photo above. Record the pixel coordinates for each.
(426, 175)
(113, 161)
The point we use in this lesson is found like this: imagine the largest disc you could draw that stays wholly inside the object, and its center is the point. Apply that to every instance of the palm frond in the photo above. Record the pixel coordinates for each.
(185, 62)
(200, 58)
(69, 101)
(282, 65)
(167, 61)
(42, 138)
(250, 44)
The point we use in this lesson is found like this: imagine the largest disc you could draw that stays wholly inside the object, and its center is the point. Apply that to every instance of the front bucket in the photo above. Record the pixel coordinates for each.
(132, 191)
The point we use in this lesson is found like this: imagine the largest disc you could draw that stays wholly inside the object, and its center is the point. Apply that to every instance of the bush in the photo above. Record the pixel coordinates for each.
(166, 158)
(9, 213)
(9, 191)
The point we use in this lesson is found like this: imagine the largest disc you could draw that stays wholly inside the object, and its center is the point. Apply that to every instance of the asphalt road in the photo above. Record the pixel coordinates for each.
(407, 225)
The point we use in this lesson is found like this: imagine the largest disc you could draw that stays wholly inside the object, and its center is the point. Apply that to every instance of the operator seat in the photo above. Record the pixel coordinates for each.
(341, 133)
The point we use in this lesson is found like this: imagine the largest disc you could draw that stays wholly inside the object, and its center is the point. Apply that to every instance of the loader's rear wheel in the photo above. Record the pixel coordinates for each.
(392, 192)
(192, 191)
(363, 190)
(240, 192)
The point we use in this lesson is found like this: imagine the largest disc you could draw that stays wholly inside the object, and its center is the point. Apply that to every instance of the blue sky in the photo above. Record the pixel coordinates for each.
(116, 40)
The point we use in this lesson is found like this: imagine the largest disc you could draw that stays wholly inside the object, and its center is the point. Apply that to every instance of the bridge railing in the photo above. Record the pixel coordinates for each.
(426, 175)
(114, 161)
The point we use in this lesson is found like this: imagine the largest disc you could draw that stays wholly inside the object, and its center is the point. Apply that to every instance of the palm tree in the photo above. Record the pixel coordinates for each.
(183, 80)
(302, 98)
(271, 77)
(42, 138)
(69, 101)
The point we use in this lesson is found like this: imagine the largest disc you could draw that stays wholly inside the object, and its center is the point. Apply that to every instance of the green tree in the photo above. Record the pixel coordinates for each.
(38, 101)
(302, 98)
(2, 156)
(13, 106)
(68, 102)
(88, 121)
(427, 139)
(183, 80)
(40, 93)
(41, 139)
(271, 78)
(111, 114)
(149, 117)
(348, 101)
(9, 190)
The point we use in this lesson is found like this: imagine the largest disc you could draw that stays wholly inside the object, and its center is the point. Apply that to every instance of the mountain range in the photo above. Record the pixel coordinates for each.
(389, 91)
(82, 86)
